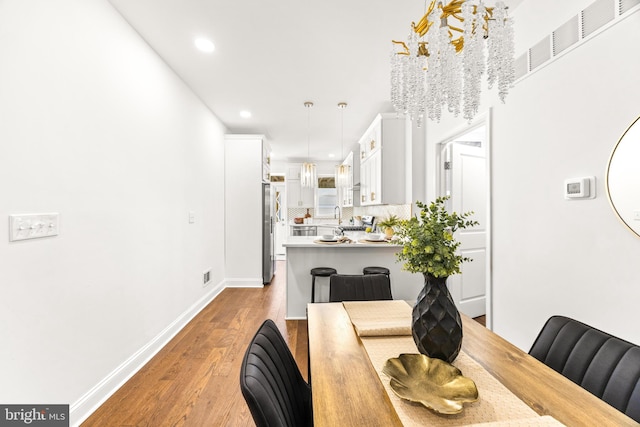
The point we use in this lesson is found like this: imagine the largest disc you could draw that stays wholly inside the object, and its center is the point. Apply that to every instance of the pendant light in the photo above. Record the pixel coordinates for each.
(308, 171)
(343, 171)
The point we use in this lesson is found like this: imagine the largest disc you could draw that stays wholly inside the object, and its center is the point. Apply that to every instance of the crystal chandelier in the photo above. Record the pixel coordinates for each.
(342, 171)
(308, 170)
(442, 64)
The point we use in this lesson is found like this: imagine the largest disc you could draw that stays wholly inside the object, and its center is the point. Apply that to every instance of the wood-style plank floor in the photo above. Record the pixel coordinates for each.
(194, 380)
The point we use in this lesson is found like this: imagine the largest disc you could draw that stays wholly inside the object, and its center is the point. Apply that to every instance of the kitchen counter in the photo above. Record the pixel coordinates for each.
(312, 242)
(314, 224)
(347, 258)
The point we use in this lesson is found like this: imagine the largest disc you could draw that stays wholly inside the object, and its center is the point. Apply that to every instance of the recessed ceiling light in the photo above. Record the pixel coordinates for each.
(245, 114)
(332, 155)
(204, 45)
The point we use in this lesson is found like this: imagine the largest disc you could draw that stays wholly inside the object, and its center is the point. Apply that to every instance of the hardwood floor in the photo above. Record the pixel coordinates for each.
(194, 380)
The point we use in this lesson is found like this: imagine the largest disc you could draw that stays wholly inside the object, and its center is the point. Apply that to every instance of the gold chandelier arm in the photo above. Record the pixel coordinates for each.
(458, 17)
(454, 6)
(458, 44)
(404, 46)
(422, 27)
(452, 9)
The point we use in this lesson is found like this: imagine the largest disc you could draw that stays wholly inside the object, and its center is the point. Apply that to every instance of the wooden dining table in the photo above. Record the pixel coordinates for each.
(347, 390)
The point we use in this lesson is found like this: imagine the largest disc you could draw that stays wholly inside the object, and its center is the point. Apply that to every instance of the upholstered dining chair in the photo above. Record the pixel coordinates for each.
(359, 287)
(272, 384)
(605, 365)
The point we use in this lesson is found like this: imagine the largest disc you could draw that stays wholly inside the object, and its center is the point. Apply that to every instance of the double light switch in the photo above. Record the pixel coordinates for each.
(33, 226)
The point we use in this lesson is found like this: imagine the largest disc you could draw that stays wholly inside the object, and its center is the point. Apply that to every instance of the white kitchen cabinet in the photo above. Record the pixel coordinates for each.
(383, 162)
(372, 138)
(293, 173)
(346, 194)
(298, 197)
(371, 180)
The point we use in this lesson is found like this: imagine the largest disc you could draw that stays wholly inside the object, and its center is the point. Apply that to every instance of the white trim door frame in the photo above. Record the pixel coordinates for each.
(443, 179)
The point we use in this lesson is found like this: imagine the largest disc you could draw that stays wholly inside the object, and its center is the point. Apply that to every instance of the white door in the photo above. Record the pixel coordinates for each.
(280, 219)
(466, 184)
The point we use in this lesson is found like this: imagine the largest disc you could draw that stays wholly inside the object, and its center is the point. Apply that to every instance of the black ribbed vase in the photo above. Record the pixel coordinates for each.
(437, 326)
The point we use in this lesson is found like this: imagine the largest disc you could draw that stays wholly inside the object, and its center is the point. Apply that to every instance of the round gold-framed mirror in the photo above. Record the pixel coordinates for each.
(623, 178)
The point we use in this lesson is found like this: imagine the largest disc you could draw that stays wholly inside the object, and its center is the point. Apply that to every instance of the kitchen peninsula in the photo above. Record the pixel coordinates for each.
(303, 254)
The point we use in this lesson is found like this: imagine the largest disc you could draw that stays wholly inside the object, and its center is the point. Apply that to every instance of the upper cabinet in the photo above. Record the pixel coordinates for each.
(384, 149)
(297, 196)
(346, 194)
(371, 140)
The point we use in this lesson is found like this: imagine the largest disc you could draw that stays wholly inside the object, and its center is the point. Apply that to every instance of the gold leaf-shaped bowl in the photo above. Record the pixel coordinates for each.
(434, 383)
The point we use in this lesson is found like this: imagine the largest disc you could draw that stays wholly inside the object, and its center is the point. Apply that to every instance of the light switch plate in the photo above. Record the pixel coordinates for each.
(33, 226)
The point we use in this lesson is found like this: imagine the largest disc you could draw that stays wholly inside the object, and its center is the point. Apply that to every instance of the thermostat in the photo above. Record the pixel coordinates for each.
(580, 188)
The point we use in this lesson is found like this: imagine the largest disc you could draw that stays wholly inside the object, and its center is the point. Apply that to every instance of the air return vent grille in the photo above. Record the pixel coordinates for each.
(595, 16)
(566, 35)
(601, 14)
(625, 5)
(540, 53)
(521, 65)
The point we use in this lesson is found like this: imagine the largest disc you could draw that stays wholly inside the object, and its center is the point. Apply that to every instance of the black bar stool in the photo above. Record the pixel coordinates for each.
(321, 272)
(376, 270)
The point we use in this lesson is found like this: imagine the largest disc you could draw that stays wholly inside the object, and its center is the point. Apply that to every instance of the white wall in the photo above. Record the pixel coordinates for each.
(552, 256)
(95, 126)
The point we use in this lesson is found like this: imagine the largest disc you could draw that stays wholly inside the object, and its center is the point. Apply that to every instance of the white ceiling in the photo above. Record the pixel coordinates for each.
(273, 55)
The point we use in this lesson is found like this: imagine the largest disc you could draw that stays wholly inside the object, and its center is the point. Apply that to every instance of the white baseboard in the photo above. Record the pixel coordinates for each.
(87, 404)
(295, 318)
(244, 283)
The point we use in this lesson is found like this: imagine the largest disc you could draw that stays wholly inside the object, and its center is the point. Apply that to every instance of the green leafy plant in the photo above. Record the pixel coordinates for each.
(389, 222)
(427, 240)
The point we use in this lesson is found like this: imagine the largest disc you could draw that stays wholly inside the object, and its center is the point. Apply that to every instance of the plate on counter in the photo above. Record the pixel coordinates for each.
(373, 241)
(327, 242)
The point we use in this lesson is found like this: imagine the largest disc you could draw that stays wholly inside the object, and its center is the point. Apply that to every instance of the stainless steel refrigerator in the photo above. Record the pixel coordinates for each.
(268, 245)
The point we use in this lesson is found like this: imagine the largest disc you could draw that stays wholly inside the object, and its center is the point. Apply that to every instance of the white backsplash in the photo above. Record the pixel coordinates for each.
(381, 212)
(347, 213)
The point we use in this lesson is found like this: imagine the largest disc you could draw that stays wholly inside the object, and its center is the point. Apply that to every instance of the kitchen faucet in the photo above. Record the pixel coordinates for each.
(339, 214)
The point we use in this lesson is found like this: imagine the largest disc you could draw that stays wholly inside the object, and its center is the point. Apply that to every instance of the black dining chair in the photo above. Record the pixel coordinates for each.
(357, 287)
(605, 365)
(272, 384)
